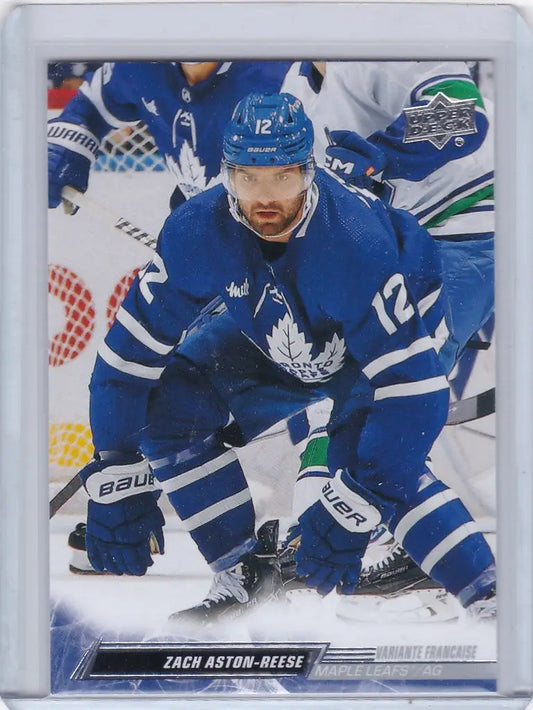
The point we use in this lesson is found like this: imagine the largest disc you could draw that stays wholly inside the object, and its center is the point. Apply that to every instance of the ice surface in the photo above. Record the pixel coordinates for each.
(86, 608)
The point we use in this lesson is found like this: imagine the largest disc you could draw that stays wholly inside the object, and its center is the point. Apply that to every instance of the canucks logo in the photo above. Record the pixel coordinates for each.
(288, 347)
(440, 120)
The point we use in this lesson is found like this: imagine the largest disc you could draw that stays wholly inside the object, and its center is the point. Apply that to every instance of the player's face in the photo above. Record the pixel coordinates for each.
(271, 198)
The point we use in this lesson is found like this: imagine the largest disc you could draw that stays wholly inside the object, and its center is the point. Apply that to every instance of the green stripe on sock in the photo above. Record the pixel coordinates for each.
(456, 89)
(316, 453)
(485, 193)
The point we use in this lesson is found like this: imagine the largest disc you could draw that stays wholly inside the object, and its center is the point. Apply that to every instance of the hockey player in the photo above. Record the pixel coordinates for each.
(328, 294)
(184, 104)
(428, 149)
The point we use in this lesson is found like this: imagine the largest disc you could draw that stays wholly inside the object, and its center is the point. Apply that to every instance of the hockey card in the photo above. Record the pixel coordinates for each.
(271, 377)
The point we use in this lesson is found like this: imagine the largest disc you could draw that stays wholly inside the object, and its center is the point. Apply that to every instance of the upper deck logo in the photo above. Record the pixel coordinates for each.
(440, 120)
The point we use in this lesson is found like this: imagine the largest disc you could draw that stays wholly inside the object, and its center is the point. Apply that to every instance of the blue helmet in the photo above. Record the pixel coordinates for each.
(268, 130)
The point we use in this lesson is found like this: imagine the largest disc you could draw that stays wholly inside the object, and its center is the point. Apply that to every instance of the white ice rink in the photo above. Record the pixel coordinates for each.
(180, 578)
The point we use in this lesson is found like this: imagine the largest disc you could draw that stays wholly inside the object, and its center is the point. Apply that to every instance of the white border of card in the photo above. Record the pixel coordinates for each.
(36, 34)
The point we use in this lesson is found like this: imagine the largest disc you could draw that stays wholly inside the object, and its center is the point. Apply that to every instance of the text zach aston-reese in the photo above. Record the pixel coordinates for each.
(221, 662)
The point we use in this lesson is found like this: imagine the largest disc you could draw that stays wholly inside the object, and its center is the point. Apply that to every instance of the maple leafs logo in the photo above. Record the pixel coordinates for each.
(189, 172)
(288, 347)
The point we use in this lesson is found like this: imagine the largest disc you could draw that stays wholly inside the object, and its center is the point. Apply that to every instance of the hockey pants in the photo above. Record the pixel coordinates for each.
(219, 373)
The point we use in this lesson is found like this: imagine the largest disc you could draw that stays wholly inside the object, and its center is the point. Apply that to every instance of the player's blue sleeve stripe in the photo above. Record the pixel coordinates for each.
(440, 336)
(479, 208)
(224, 67)
(318, 433)
(428, 301)
(410, 389)
(93, 91)
(217, 509)
(449, 542)
(420, 511)
(127, 366)
(139, 332)
(460, 192)
(195, 474)
(314, 472)
(129, 347)
(396, 356)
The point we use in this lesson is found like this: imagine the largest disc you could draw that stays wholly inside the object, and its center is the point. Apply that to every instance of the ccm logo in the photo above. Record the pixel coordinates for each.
(337, 165)
(124, 484)
(341, 506)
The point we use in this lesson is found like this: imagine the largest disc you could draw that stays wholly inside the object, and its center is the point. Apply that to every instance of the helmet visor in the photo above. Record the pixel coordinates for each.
(267, 183)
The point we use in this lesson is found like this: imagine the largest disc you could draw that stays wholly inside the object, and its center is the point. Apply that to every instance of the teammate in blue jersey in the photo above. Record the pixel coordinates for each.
(327, 293)
(184, 104)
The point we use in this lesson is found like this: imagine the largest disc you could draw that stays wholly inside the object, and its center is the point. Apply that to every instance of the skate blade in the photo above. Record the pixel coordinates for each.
(79, 564)
(423, 606)
(88, 572)
(295, 596)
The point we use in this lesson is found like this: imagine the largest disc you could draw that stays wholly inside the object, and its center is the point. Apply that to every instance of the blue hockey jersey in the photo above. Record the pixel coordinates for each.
(187, 122)
(357, 286)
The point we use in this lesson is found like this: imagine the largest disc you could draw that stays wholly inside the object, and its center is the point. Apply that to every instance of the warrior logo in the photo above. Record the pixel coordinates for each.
(440, 120)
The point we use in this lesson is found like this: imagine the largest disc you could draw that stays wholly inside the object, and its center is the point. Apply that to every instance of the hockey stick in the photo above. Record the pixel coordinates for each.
(475, 407)
(74, 485)
(65, 494)
(75, 198)
(465, 410)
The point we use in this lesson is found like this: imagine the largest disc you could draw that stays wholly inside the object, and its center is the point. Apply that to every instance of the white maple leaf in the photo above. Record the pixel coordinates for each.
(287, 344)
(333, 354)
(288, 347)
(189, 172)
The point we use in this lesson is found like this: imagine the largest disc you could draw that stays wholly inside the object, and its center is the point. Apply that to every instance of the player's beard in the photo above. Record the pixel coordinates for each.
(273, 220)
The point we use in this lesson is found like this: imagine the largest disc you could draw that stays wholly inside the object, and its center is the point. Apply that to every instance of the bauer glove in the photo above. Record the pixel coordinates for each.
(123, 515)
(72, 150)
(334, 535)
(352, 157)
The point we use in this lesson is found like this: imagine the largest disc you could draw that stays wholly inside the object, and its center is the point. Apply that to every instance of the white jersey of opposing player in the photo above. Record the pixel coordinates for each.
(369, 96)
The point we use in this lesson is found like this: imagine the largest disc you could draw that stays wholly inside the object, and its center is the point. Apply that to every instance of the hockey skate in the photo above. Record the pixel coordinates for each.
(394, 574)
(483, 609)
(254, 580)
(79, 560)
(293, 585)
(396, 590)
